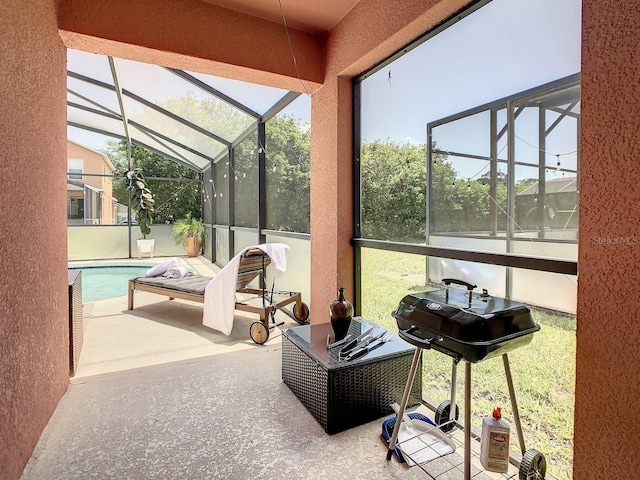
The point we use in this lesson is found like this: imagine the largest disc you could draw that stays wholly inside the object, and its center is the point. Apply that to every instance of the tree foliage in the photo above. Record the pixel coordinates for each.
(287, 185)
(287, 163)
(464, 205)
(394, 180)
(173, 198)
(288, 175)
(394, 194)
(210, 113)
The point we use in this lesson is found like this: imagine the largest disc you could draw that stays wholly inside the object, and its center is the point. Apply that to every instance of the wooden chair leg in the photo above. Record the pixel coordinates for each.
(264, 317)
(131, 289)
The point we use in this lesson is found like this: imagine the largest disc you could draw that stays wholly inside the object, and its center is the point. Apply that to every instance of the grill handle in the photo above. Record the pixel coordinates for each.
(449, 281)
(422, 342)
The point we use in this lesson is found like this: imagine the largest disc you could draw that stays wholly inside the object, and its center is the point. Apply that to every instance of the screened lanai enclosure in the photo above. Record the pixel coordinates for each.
(468, 153)
(232, 153)
(492, 191)
(503, 178)
(465, 165)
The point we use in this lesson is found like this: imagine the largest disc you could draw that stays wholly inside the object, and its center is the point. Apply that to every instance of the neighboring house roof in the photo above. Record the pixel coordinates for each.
(76, 186)
(555, 185)
(104, 157)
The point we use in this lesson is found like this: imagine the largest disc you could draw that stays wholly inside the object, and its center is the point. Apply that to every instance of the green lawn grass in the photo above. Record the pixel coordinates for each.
(543, 371)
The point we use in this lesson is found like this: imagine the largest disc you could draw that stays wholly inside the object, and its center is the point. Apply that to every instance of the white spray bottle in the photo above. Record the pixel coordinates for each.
(494, 443)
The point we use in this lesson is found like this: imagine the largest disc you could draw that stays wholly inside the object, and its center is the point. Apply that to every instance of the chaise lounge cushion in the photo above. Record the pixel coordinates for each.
(195, 284)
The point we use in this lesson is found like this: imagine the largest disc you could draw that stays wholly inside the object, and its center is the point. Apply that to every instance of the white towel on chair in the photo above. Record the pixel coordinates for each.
(220, 298)
(278, 254)
(176, 272)
(163, 267)
(220, 293)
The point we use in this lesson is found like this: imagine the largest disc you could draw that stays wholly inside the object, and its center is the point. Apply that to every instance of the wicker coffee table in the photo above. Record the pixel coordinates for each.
(343, 394)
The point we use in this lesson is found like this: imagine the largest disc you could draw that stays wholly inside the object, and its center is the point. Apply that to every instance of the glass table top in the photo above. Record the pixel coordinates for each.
(313, 339)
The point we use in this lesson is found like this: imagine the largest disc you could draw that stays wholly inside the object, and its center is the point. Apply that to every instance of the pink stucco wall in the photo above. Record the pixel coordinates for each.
(34, 368)
(98, 164)
(331, 196)
(608, 334)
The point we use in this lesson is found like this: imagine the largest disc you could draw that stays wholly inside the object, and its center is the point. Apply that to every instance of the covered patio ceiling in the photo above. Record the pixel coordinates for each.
(139, 102)
(314, 17)
(187, 117)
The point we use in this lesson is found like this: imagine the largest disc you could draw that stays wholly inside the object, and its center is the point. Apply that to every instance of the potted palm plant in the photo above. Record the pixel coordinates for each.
(191, 233)
(142, 203)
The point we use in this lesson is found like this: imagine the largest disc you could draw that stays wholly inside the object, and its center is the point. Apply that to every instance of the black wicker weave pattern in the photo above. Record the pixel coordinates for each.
(366, 392)
(342, 398)
(306, 379)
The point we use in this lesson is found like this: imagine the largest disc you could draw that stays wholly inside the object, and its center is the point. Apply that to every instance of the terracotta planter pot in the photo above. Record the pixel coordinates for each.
(193, 246)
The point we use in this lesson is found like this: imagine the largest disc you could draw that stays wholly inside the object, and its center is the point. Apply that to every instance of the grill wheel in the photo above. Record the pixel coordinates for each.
(533, 465)
(442, 416)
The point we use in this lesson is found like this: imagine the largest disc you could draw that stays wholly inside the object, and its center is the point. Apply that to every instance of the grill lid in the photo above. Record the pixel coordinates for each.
(465, 316)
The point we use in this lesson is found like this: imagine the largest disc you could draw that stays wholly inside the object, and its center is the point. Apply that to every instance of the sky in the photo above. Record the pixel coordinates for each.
(505, 47)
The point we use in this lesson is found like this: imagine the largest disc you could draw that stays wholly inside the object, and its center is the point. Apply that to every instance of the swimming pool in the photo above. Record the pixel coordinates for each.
(100, 283)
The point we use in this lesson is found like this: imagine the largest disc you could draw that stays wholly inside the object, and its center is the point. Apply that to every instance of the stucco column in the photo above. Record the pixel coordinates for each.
(34, 325)
(608, 327)
(331, 195)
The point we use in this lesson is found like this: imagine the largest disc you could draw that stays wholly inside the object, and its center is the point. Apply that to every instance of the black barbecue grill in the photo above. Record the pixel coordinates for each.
(464, 324)
(469, 326)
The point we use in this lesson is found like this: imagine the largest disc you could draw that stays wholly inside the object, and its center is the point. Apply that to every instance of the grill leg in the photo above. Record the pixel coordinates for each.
(403, 403)
(454, 380)
(514, 404)
(467, 420)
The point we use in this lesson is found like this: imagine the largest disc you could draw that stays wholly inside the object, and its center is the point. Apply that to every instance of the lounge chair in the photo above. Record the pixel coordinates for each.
(253, 263)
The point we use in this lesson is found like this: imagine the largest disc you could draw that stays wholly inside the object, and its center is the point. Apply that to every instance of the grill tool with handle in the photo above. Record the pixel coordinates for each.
(349, 346)
(338, 343)
(363, 343)
(359, 352)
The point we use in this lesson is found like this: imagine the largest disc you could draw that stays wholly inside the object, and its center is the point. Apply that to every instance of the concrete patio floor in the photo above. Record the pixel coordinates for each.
(224, 416)
(159, 396)
(157, 330)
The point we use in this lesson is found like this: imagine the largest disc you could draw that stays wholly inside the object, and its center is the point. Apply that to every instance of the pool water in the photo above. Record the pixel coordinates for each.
(100, 283)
